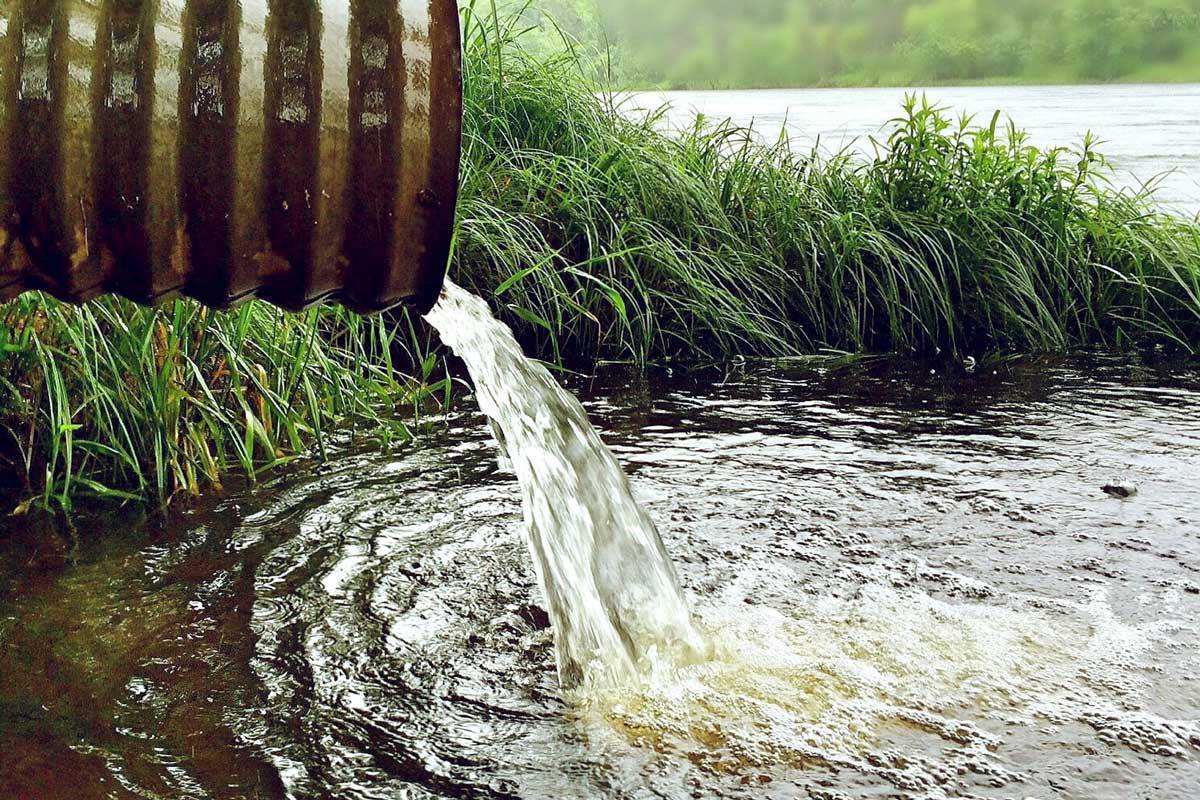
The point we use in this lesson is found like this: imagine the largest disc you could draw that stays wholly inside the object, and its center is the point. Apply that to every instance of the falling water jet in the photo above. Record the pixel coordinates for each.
(614, 599)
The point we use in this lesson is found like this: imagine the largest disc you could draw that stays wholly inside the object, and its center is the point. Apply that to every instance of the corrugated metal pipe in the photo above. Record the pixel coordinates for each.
(293, 150)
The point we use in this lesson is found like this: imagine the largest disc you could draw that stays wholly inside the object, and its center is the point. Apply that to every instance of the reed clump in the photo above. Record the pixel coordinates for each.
(599, 236)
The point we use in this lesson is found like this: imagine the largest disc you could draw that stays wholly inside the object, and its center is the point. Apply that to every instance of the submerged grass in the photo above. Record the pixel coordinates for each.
(597, 236)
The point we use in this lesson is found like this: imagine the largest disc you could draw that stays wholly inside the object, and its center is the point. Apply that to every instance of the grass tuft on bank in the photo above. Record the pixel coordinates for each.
(597, 236)
(600, 237)
(118, 402)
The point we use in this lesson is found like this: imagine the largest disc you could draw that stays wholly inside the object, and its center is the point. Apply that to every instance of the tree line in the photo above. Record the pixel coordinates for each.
(775, 43)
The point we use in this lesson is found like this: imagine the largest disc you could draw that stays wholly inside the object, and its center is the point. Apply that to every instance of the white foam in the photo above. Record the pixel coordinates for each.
(833, 677)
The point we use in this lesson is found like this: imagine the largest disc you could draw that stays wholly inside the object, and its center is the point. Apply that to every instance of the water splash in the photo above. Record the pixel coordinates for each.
(895, 685)
(890, 684)
(614, 600)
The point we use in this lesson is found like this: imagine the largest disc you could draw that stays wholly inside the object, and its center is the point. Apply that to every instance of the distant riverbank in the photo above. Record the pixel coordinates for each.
(696, 44)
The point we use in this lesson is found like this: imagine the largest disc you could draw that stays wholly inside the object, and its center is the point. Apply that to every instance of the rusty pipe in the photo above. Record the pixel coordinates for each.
(292, 150)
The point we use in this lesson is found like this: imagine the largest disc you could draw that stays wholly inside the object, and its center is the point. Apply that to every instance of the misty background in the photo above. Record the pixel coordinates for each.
(700, 44)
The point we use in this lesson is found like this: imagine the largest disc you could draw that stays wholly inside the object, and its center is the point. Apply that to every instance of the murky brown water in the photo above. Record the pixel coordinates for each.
(916, 584)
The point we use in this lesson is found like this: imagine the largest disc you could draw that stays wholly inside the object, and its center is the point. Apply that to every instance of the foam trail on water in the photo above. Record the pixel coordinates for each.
(613, 596)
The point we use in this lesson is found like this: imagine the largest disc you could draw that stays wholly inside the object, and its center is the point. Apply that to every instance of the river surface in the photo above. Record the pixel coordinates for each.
(916, 585)
(1149, 132)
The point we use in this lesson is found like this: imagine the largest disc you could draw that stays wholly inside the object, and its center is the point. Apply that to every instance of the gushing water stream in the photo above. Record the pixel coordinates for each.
(612, 593)
(741, 686)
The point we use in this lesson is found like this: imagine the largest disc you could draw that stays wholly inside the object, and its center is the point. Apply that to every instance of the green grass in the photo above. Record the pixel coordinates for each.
(602, 238)
(598, 237)
(125, 403)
